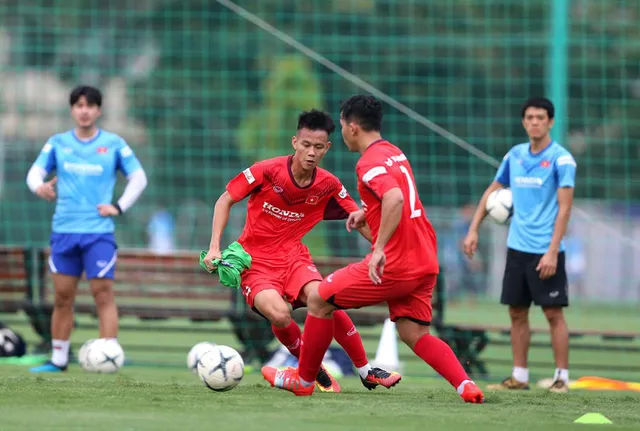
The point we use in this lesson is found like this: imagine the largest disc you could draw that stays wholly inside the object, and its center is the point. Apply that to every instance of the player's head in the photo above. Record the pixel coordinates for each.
(311, 141)
(360, 116)
(537, 117)
(86, 103)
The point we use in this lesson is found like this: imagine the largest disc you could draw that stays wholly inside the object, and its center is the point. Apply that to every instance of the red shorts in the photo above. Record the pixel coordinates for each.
(351, 287)
(287, 279)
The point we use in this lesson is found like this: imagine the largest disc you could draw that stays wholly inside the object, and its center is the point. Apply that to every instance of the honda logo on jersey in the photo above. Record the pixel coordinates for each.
(281, 214)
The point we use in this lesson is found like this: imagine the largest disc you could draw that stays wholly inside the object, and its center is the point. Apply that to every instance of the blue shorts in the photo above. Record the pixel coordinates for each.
(93, 253)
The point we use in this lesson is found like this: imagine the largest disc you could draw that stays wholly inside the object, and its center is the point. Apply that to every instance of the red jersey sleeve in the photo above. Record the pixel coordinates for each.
(246, 182)
(340, 205)
(376, 177)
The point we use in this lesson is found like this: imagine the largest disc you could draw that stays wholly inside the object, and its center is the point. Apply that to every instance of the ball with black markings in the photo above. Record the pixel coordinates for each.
(221, 368)
(104, 355)
(500, 206)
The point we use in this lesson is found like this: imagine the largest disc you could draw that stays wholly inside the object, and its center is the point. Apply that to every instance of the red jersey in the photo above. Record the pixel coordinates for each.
(280, 213)
(412, 250)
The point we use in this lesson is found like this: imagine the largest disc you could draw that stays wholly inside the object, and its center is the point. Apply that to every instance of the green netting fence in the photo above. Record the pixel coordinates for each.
(200, 92)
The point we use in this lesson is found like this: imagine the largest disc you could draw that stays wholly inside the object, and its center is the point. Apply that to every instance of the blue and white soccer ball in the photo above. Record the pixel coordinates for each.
(500, 206)
(221, 369)
(196, 352)
(102, 355)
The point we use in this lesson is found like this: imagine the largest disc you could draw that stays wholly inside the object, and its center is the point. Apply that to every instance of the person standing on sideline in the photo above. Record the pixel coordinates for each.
(541, 174)
(86, 160)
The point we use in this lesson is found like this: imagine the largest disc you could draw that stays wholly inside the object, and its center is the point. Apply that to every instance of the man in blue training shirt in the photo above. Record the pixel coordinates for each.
(86, 160)
(541, 175)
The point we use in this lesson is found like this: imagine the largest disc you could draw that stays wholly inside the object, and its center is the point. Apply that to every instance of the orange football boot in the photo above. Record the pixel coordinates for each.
(472, 394)
(287, 379)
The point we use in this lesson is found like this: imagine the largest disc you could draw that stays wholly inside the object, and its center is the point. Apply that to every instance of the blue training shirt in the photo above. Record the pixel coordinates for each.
(86, 172)
(534, 180)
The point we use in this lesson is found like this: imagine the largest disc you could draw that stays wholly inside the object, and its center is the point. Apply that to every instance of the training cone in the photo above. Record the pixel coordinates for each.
(387, 353)
(592, 418)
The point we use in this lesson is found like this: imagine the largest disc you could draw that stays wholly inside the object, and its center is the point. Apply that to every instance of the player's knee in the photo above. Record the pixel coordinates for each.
(65, 291)
(280, 317)
(64, 299)
(410, 332)
(102, 291)
(519, 315)
(271, 305)
(554, 315)
(317, 306)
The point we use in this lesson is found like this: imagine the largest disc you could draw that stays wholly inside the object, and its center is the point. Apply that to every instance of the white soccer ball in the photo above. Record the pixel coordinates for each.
(196, 353)
(221, 369)
(103, 356)
(82, 354)
(500, 206)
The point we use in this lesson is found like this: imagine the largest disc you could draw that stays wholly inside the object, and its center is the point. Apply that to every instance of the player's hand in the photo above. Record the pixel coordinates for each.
(108, 210)
(47, 191)
(212, 254)
(470, 244)
(548, 265)
(356, 220)
(376, 266)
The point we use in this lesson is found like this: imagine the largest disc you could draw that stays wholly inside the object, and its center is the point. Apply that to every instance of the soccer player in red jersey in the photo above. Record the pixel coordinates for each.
(401, 270)
(288, 196)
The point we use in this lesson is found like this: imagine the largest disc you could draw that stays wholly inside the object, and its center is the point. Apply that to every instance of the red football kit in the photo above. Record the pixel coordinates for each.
(411, 268)
(279, 214)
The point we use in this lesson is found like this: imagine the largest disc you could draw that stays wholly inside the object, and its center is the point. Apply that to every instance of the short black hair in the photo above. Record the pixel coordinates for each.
(364, 110)
(539, 102)
(316, 120)
(92, 94)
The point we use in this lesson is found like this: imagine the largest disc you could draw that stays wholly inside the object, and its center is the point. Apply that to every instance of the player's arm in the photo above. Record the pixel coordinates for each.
(566, 172)
(387, 189)
(341, 206)
(221, 212)
(500, 181)
(241, 186)
(129, 165)
(43, 165)
(365, 231)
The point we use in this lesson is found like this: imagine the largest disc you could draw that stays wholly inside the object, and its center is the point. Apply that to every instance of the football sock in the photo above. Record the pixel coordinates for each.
(290, 337)
(441, 358)
(316, 339)
(60, 355)
(349, 338)
(561, 374)
(520, 374)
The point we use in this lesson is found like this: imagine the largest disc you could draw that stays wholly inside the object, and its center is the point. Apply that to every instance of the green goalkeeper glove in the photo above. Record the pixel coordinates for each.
(230, 267)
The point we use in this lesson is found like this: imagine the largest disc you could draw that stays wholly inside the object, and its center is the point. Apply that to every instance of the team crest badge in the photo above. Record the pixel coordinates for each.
(545, 163)
(102, 150)
(312, 200)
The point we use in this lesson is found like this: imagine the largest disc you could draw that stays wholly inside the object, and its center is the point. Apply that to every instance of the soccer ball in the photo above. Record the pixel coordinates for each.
(221, 369)
(82, 354)
(11, 343)
(102, 356)
(196, 353)
(500, 206)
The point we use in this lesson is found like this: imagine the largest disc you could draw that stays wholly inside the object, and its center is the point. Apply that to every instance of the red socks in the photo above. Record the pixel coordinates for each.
(290, 337)
(348, 337)
(318, 334)
(441, 358)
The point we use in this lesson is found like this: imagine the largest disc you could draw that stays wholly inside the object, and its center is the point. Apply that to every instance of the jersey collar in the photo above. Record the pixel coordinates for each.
(377, 141)
(90, 141)
(536, 155)
(293, 180)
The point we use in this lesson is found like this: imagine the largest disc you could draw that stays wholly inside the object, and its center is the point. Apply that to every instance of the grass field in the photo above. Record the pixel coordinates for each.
(155, 391)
